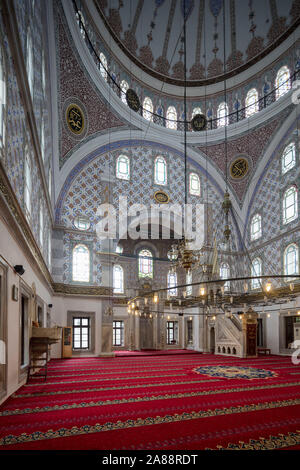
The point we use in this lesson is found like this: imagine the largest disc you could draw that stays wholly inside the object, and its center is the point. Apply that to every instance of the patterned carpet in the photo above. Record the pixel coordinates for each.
(184, 401)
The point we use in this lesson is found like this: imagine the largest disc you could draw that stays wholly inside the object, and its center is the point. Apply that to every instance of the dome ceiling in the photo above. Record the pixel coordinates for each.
(150, 32)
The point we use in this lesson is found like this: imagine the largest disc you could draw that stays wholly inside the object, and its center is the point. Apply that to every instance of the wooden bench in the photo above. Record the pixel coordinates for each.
(264, 351)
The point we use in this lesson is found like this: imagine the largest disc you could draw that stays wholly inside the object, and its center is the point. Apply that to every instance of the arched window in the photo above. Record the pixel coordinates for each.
(50, 181)
(41, 225)
(29, 62)
(82, 223)
(80, 22)
(118, 279)
(103, 65)
(256, 270)
(222, 114)
(255, 227)
(160, 171)
(2, 99)
(225, 274)
(42, 142)
(123, 167)
(288, 159)
(172, 282)
(290, 205)
(124, 87)
(195, 111)
(171, 122)
(81, 263)
(290, 260)
(49, 250)
(119, 249)
(148, 109)
(282, 82)
(194, 184)
(189, 280)
(27, 184)
(145, 263)
(251, 102)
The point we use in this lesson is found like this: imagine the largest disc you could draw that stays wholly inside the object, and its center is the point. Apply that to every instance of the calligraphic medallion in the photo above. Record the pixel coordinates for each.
(161, 197)
(132, 100)
(75, 118)
(239, 168)
(198, 122)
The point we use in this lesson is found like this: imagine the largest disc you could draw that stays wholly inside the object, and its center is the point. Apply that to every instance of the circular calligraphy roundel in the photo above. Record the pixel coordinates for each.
(239, 168)
(75, 118)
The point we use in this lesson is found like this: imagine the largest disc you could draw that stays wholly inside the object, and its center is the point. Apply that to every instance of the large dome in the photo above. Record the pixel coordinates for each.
(150, 32)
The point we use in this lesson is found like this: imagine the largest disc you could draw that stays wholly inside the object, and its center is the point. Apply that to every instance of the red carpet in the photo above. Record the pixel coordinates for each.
(153, 352)
(157, 402)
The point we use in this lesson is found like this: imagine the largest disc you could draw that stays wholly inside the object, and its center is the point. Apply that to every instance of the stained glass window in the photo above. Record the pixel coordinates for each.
(282, 82)
(118, 279)
(145, 263)
(27, 184)
(251, 102)
(81, 263)
(256, 271)
(288, 159)
(225, 274)
(148, 109)
(2, 99)
(291, 260)
(123, 167)
(103, 65)
(171, 122)
(255, 227)
(189, 280)
(172, 282)
(222, 114)
(290, 203)
(124, 87)
(29, 62)
(194, 184)
(160, 171)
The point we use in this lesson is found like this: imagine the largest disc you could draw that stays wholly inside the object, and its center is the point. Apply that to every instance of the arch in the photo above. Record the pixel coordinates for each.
(196, 110)
(289, 205)
(194, 184)
(234, 351)
(171, 116)
(288, 158)
(148, 109)
(80, 263)
(251, 102)
(145, 263)
(123, 167)
(256, 271)
(118, 279)
(282, 82)
(255, 227)
(291, 260)
(228, 350)
(160, 171)
(222, 114)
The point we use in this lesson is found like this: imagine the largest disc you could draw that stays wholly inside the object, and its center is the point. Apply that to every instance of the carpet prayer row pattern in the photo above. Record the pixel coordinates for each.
(184, 401)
